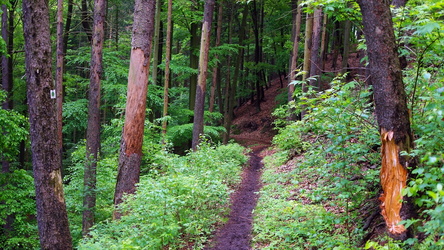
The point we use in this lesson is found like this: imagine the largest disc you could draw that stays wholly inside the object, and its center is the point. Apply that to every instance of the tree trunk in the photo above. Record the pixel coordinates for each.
(86, 21)
(59, 75)
(7, 79)
(399, 3)
(202, 79)
(67, 26)
(156, 42)
(52, 218)
(346, 51)
(391, 111)
(294, 54)
(216, 67)
(132, 136)
(315, 56)
(93, 131)
(307, 55)
(257, 54)
(194, 63)
(167, 64)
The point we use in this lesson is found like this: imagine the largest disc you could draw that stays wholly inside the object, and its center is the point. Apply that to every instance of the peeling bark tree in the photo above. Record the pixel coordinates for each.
(132, 137)
(202, 78)
(93, 131)
(391, 111)
(52, 218)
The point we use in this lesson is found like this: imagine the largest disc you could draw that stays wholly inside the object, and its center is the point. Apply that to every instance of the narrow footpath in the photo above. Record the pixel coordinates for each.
(236, 233)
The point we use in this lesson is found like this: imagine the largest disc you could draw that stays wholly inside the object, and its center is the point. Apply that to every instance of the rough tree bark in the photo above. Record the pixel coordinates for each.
(294, 53)
(194, 62)
(216, 67)
(202, 78)
(167, 64)
(93, 131)
(52, 218)
(391, 111)
(59, 74)
(132, 136)
(315, 56)
(156, 42)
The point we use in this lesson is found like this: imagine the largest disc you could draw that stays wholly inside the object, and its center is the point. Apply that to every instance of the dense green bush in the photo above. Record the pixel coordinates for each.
(180, 201)
(313, 201)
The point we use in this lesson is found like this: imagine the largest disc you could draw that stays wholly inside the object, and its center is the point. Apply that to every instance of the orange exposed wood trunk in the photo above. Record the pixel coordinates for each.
(131, 145)
(393, 179)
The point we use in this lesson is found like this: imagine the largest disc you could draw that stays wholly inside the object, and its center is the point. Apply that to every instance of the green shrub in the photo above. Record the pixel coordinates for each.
(180, 204)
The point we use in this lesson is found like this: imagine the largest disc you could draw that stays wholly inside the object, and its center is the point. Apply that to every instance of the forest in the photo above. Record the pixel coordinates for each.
(222, 124)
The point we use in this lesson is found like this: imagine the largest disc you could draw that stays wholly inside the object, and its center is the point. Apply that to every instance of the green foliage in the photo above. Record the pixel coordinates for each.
(180, 204)
(106, 171)
(17, 196)
(312, 203)
(14, 127)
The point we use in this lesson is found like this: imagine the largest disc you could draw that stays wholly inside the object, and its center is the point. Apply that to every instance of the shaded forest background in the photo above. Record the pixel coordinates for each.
(324, 121)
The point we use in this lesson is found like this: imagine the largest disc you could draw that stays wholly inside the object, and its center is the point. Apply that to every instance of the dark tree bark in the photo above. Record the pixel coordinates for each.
(67, 26)
(391, 111)
(346, 46)
(156, 57)
(59, 74)
(167, 64)
(7, 79)
(216, 67)
(194, 62)
(93, 131)
(202, 78)
(86, 20)
(51, 209)
(132, 137)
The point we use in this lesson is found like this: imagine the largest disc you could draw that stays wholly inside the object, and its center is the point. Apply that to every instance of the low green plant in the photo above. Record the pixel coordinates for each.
(180, 202)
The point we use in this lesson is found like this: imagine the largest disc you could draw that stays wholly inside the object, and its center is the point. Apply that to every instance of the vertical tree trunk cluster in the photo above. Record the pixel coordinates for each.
(167, 64)
(132, 137)
(46, 158)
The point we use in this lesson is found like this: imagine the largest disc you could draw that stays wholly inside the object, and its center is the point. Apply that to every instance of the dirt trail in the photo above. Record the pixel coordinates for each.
(236, 233)
(256, 133)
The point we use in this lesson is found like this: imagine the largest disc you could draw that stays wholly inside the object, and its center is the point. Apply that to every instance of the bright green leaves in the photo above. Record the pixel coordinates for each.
(177, 203)
(14, 127)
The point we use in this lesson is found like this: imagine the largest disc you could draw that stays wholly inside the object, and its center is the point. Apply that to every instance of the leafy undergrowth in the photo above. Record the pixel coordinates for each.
(314, 200)
(321, 183)
(178, 204)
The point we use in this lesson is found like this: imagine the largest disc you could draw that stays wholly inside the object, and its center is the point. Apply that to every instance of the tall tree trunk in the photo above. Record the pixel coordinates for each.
(257, 53)
(202, 79)
(391, 111)
(7, 79)
(59, 75)
(86, 20)
(307, 55)
(93, 131)
(194, 63)
(67, 26)
(167, 64)
(324, 43)
(315, 56)
(346, 52)
(156, 42)
(132, 136)
(294, 54)
(216, 67)
(52, 218)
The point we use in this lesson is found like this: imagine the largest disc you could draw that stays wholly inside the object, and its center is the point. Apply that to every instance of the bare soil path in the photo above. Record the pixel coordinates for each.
(255, 132)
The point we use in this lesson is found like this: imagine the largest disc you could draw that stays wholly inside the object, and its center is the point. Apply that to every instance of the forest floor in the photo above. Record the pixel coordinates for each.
(253, 130)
